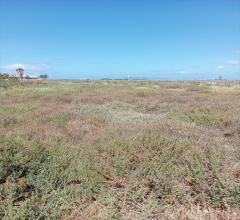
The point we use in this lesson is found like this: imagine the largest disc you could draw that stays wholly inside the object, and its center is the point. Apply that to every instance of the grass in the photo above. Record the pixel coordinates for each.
(119, 150)
(206, 117)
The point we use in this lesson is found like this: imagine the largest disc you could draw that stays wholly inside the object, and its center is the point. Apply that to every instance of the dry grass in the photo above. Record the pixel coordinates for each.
(119, 150)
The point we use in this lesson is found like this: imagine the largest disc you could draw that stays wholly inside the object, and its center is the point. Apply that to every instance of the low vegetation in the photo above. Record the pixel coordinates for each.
(119, 150)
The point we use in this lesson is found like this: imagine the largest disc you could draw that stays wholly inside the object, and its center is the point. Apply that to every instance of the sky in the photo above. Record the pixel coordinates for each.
(157, 39)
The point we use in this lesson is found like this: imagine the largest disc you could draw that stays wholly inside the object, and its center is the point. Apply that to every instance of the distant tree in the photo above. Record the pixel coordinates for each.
(20, 72)
(4, 76)
(44, 76)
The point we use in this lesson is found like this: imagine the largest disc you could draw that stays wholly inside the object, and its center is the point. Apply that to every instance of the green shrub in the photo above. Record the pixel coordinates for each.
(30, 172)
(9, 84)
(205, 116)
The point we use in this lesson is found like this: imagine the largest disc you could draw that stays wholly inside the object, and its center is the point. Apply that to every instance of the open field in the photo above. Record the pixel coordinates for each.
(127, 150)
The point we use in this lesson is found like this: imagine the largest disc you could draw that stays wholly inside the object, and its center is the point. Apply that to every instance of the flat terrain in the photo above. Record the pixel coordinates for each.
(119, 150)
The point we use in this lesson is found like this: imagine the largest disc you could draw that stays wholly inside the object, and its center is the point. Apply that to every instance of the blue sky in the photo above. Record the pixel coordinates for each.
(168, 39)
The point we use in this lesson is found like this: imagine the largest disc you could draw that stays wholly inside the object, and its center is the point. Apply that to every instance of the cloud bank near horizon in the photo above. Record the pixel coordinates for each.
(29, 67)
(13, 66)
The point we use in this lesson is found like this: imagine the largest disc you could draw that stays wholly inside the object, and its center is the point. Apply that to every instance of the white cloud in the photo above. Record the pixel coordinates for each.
(232, 62)
(220, 67)
(13, 66)
(237, 51)
(29, 67)
(37, 67)
(183, 72)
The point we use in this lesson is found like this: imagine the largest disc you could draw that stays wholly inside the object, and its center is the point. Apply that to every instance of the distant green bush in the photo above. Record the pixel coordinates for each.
(4, 76)
(44, 76)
